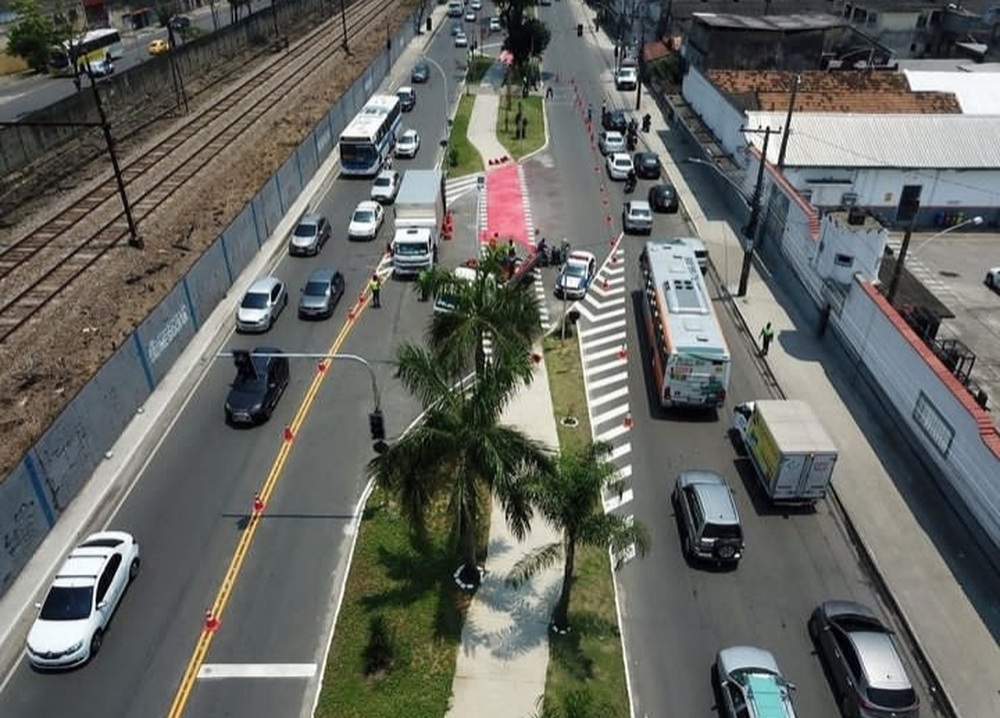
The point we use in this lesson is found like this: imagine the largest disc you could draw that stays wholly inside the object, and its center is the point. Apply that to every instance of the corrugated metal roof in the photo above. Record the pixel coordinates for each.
(779, 23)
(904, 141)
(978, 93)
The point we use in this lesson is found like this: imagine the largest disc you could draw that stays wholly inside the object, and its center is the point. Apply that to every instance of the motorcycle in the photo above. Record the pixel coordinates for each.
(630, 185)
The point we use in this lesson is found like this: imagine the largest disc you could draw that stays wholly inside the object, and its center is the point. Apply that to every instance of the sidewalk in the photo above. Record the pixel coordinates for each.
(953, 641)
(504, 654)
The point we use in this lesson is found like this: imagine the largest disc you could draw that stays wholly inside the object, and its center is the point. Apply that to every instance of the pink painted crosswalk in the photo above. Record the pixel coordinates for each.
(508, 214)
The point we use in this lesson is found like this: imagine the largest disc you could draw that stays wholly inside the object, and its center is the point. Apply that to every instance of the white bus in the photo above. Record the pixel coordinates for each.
(367, 142)
(91, 47)
(691, 360)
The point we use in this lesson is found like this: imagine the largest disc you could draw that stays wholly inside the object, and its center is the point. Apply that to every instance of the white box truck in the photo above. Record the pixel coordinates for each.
(418, 214)
(789, 448)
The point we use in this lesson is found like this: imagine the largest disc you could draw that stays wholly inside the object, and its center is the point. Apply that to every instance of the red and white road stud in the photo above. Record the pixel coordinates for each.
(212, 622)
(258, 504)
(321, 367)
(288, 435)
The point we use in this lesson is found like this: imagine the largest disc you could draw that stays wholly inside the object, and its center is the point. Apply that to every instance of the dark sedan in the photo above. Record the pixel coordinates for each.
(663, 198)
(421, 72)
(615, 120)
(261, 379)
(647, 165)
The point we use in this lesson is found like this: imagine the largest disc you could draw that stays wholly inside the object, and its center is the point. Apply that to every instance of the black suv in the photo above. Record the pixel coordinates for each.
(261, 379)
(647, 165)
(710, 524)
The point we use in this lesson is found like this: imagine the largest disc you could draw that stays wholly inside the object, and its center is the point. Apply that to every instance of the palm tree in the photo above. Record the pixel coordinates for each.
(506, 312)
(570, 498)
(461, 450)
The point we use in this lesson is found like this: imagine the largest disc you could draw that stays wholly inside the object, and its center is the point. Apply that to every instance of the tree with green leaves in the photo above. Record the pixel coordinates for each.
(35, 34)
(505, 312)
(570, 499)
(527, 37)
(461, 451)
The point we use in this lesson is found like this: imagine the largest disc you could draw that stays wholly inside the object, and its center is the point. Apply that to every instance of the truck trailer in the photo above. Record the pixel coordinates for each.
(418, 214)
(790, 450)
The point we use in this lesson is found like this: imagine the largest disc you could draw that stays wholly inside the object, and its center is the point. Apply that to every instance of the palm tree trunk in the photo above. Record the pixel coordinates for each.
(470, 569)
(560, 616)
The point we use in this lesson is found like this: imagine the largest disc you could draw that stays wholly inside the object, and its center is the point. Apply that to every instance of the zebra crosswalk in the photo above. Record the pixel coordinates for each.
(458, 187)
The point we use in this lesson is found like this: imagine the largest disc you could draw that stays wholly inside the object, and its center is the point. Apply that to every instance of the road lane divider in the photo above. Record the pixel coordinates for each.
(214, 614)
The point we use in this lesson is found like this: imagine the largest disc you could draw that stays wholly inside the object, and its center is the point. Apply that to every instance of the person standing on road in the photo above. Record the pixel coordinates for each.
(375, 286)
(766, 337)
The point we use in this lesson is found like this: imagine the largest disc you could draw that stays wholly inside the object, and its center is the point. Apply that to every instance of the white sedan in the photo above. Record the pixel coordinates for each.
(408, 144)
(637, 217)
(83, 597)
(610, 141)
(386, 187)
(461, 40)
(993, 278)
(619, 166)
(366, 220)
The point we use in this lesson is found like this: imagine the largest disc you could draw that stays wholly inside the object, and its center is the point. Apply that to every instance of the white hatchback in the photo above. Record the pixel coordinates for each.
(366, 220)
(386, 187)
(83, 597)
(408, 144)
(619, 166)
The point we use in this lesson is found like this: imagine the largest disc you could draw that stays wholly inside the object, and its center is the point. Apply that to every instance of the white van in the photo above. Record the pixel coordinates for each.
(456, 8)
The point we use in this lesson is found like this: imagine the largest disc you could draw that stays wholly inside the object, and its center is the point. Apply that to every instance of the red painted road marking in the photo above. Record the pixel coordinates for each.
(505, 208)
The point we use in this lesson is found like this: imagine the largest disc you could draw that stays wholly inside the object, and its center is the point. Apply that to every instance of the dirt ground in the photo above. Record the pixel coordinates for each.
(51, 358)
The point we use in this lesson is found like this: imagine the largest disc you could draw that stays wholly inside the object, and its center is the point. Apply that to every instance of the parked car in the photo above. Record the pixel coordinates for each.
(710, 522)
(663, 198)
(609, 141)
(321, 294)
(421, 72)
(408, 144)
(180, 22)
(158, 47)
(637, 217)
(309, 235)
(366, 220)
(455, 8)
(619, 166)
(576, 275)
(457, 28)
(407, 98)
(261, 305)
(495, 25)
(476, 5)
(470, 15)
(647, 165)
(386, 187)
(626, 78)
(993, 278)
(615, 120)
(461, 40)
(261, 379)
(750, 685)
(84, 595)
(862, 661)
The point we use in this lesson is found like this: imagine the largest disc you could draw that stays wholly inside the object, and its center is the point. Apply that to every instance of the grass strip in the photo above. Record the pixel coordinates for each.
(531, 108)
(408, 583)
(478, 68)
(586, 666)
(464, 157)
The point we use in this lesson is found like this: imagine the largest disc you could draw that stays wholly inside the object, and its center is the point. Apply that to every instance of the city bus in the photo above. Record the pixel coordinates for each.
(367, 142)
(691, 360)
(91, 47)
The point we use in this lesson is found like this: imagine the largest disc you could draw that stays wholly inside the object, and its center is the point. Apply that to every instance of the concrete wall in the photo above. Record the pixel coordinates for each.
(40, 487)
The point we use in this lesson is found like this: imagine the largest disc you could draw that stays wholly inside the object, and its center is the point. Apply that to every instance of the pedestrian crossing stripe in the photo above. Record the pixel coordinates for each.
(460, 186)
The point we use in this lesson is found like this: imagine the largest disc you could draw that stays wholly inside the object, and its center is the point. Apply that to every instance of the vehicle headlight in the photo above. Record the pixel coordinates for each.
(257, 407)
(75, 647)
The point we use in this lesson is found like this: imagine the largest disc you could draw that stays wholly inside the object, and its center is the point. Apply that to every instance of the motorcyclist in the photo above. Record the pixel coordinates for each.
(542, 249)
(630, 181)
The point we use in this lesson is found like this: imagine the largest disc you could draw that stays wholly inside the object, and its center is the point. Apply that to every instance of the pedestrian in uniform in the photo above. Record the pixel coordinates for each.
(375, 286)
(766, 337)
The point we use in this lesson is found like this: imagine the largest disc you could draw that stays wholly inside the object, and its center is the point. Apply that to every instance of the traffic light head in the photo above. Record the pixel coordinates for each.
(376, 424)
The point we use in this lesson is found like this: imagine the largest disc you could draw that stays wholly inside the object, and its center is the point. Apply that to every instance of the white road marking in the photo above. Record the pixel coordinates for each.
(619, 410)
(620, 451)
(617, 500)
(256, 670)
(602, 328)
(610, 396)
(608, 381)
(616, 337)
(595, 369)
(613, 433)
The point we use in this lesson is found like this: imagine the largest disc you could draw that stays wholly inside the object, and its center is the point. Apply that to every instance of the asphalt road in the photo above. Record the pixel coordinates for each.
(192, 501)
(21, 96)
(675, 616)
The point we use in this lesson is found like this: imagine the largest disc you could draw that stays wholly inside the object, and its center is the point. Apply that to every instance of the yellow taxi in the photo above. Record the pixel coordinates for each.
(158, 47)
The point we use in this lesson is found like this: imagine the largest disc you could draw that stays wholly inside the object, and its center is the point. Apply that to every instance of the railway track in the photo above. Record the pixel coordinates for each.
(46, 261)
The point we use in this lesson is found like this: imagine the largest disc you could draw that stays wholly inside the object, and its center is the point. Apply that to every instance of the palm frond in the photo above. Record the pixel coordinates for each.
(537, 560)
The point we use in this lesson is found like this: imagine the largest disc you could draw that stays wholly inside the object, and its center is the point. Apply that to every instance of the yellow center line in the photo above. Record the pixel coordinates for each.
(247, 535)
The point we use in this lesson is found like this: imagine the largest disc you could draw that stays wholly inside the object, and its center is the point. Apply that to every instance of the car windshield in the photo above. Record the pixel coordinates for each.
(383, 182)
(640, 212)
(67, 604)
(896, 698)
(724, 531)
(316, 289)
(409, 249)
(255, 300)
(305, 229)
(364, 216)
(576, 270)
(622, 163)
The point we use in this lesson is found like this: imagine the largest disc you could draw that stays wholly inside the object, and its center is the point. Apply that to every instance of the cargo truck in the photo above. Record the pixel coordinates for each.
(789, 448)
(418, 214)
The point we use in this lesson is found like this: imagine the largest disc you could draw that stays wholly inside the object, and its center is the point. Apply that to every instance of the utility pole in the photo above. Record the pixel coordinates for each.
(796, 81)
(897, 270)
(343, 26)
(641, 69)
(175, 72)
(134, 240)
(750, 231)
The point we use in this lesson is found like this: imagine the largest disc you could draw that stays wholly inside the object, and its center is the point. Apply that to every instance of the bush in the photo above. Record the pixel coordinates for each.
(380, 653)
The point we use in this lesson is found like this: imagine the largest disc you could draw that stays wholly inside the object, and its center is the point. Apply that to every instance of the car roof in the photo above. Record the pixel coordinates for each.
(647, 155)
(613, 133)
(387, 173)
(263, 284)
(405, 88)
(368, 204)
(714, 495)
(323, 274)
(409, 132)
(638, 204)
(664, 187)
(620, 157)
(880, 660)
(311, 218)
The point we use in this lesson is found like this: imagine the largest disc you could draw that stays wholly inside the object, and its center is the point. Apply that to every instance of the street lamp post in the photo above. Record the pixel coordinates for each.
(897, 270)
(447, 119)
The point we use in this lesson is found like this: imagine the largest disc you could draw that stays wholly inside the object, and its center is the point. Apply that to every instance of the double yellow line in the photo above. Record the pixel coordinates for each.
(247, 535)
